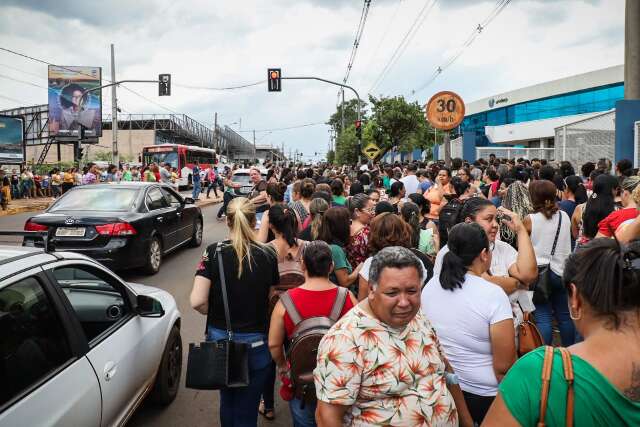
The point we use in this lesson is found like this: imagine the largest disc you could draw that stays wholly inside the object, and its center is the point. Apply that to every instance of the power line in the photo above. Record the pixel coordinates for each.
(402, 46)
(354, 50)
(500, 6)
(285, 128)
(384, 35)
(220, 88)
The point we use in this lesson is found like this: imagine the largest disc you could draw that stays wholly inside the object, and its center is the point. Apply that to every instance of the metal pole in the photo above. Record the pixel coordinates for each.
(254, 147)
(215, 133)
(342, 112)
(114, 110)
(632, 50)
(447, 149)
(564, 142)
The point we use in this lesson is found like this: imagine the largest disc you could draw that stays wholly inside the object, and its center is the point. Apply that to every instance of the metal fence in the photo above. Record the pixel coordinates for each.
(587, 140)
(514, 153)
(636, 144)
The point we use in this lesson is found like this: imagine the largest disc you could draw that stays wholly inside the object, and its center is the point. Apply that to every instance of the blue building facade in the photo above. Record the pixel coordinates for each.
(601, 98)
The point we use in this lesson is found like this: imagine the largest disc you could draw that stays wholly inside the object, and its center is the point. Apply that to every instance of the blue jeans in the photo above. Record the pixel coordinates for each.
(15, 191)
(197, 188)
(303, 417)
(556, 307)
(239, 406)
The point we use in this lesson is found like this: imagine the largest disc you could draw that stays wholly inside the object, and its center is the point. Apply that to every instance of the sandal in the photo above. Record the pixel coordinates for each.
(268, 414)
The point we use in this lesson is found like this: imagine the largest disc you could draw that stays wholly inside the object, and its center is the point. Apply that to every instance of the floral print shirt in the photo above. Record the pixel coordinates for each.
(387, 376)
(358, 247)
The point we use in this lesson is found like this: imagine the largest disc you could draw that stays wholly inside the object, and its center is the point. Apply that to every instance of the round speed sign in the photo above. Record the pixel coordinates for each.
(445, 110)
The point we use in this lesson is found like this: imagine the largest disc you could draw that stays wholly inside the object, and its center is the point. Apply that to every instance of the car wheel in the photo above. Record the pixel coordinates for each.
(196, 239)
(169, 373)
(154, 256)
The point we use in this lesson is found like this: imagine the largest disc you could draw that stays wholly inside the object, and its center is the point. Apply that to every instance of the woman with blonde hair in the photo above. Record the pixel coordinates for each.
(250, 269)
(311, 228)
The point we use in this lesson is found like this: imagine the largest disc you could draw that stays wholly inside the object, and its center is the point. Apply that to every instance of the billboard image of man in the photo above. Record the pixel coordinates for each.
(72, 104)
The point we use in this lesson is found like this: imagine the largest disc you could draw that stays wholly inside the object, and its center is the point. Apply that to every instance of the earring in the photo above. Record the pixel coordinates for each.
(574, 317)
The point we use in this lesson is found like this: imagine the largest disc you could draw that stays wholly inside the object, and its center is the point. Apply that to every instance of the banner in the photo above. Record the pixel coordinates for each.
(70, 106)
(11, 140)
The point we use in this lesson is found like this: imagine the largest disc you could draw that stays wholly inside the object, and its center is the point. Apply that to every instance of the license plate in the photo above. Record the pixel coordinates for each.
(70, 231)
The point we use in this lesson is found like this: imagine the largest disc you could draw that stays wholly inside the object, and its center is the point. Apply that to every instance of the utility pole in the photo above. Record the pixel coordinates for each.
(342, 111)
(215, 133)
(114, 111)
(632, 50)
(255, 159)
(447, 149)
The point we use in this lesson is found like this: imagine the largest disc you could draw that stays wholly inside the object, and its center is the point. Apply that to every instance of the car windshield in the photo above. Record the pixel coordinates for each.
(170, 157)
(242, 178)
(97, 199)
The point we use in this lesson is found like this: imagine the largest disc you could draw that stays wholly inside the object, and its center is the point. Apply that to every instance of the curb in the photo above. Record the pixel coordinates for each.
(207, 202)
(22, 209)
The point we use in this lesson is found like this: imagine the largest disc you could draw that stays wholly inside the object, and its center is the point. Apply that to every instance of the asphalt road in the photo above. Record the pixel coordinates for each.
(191, 408)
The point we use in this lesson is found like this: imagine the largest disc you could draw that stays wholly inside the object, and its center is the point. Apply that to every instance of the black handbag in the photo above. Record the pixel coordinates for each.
(212, 365)
(542, 288)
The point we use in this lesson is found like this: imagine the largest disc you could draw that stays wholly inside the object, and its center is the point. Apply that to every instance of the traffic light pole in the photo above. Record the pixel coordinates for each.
(343, 86)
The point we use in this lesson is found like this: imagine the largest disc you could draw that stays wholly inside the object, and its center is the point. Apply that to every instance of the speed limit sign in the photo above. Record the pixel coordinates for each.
(445, 110)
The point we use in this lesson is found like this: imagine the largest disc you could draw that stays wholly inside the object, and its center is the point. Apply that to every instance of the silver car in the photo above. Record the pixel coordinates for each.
(78, 345)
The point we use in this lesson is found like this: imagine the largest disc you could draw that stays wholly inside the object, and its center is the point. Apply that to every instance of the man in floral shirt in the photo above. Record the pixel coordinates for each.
(382, 364)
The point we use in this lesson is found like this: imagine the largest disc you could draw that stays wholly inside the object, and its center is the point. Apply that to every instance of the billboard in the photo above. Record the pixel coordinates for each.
(70, 106)
(11, 140)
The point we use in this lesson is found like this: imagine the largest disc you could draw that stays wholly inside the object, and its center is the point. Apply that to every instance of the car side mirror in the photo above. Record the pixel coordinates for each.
(149, 307)
(189, 201)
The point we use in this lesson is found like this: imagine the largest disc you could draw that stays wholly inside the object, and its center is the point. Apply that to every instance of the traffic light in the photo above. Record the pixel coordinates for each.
(359, 129)
(164, 85)
(274, 79)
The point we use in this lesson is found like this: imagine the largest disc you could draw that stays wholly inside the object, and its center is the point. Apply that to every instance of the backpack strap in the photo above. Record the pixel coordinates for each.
(301, 244)
(338, 303)
(290, 307)
(567, 365)
(546, 381)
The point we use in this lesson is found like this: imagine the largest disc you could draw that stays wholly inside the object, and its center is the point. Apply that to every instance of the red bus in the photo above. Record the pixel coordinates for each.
(180, 157)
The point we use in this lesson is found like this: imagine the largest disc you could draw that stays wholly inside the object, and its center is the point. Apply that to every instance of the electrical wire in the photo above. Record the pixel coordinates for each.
(281, 129)
(499, 7)
(354, 50)
(220, 88)
(384, 35)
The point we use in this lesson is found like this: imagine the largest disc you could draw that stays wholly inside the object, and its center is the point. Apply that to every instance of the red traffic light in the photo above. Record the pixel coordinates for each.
(358, 124)
(275, 74)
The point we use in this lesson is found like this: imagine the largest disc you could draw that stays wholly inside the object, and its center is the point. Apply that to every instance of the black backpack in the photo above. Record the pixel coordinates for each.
(449, 216)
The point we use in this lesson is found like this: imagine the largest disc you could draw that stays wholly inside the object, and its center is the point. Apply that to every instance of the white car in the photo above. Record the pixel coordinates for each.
(78, 345)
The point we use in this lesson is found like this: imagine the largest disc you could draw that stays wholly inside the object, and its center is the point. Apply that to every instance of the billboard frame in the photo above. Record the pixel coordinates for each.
(98, 93)
(24, 146)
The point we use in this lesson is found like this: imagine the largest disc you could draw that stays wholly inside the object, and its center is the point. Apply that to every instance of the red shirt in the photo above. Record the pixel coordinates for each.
(614, 219)
(313, 303)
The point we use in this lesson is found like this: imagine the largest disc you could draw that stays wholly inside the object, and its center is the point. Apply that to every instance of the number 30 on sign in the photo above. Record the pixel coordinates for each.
(445, 110)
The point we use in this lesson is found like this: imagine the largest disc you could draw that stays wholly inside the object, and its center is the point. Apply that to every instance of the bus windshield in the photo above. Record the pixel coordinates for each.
(170, 157)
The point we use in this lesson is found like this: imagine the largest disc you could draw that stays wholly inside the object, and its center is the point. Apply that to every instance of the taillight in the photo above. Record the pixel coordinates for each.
(116, 229)
(32, 226)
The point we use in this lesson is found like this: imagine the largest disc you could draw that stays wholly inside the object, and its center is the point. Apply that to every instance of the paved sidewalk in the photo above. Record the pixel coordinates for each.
(41, 203)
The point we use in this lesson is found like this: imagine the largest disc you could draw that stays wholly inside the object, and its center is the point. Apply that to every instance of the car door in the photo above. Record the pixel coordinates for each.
(45, 378)
(165, 218)
(124, 348)
(186, 217)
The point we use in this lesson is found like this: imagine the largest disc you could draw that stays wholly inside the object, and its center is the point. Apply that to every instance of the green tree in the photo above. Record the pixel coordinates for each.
(331, 156)
(346, 145)
(350, 115)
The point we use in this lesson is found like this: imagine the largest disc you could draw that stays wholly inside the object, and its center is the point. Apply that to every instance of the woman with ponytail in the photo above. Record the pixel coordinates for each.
(422, 239)
(543, 225)
(472, 318)
(250, 269)
(311, 228)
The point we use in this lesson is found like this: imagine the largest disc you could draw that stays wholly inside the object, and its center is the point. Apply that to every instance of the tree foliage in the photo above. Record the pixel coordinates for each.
(350, 115)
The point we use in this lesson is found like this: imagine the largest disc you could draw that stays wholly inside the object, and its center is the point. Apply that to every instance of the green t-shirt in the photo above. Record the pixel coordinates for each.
(340, 261)
(597, 401)
(339, 200)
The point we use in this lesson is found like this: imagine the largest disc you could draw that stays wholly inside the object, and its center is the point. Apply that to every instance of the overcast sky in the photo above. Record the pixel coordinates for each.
(226, 43)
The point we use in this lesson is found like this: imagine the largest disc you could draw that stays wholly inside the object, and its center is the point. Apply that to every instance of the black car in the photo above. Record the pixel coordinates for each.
(122, 225)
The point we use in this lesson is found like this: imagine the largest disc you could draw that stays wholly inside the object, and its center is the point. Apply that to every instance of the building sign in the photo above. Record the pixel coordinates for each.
(445, 110)
(11, 140)
(493, 101)
(70, 106)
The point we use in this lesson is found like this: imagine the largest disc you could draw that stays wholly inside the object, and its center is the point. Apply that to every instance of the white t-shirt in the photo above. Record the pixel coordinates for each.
(543, 233)
(462, 319)
(364, 271)
(503, 256)
(411, 184)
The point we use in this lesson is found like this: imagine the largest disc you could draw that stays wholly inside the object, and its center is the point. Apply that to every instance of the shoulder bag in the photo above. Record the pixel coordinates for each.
(542, 288)
(529, 337)
(212, 365)
(567, 365)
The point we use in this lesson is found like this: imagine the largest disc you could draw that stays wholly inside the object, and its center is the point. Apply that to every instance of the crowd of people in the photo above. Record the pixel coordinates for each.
(426, 274)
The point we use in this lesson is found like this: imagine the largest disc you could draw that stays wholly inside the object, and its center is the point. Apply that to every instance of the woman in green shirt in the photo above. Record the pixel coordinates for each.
(337, 189)
(334, 230)
(603, 284)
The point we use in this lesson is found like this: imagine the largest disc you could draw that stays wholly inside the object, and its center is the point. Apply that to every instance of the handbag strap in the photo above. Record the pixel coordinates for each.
(223, 286)
(555, 241)
(546, 381)
(567, 368)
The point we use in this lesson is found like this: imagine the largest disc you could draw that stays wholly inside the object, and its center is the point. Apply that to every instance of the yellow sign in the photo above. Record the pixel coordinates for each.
(371, 150)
